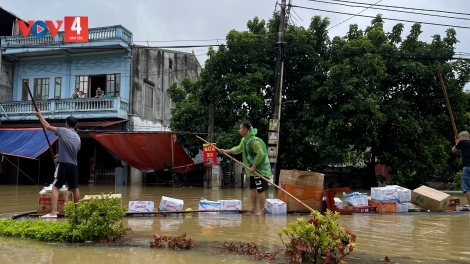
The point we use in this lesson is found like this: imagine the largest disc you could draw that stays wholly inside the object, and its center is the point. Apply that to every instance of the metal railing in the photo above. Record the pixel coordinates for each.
(94, 34)
(95, 105)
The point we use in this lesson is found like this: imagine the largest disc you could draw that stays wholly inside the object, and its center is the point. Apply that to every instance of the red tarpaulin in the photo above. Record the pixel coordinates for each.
(146, 151)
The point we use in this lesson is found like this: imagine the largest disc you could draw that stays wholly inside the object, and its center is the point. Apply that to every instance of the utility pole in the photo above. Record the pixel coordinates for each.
(210, 138)
(274, 122)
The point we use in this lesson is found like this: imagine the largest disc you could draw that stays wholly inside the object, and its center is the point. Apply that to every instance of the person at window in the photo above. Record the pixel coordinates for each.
(99, 92)
(75, 94)
(81, 95)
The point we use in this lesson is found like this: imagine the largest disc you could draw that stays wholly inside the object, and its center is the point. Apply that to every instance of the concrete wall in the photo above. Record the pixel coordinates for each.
(152, 67)
(6, 81)
(68, 68)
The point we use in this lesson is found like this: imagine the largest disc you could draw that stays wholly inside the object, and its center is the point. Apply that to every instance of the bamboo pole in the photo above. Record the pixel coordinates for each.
(454, 127)
(261, 176)
(43, 128)
(448, 104)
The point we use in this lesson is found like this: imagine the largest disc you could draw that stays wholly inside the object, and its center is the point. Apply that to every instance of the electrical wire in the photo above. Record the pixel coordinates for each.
(384, 18)
(404, 7)
(355, 15)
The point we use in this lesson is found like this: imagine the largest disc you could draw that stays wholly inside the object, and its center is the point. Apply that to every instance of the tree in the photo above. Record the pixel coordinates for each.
(369, 94)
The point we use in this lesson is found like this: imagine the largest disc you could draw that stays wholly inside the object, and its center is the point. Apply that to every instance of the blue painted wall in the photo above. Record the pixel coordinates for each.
(68, 68)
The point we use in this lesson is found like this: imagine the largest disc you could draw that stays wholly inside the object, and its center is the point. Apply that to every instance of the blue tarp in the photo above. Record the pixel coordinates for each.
(26, 143)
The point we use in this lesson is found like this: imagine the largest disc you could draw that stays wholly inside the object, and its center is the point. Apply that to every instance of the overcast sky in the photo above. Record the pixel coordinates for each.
(161, 20)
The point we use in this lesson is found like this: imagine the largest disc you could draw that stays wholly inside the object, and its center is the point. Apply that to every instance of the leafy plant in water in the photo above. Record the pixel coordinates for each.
(96, 219)
(317, 240)
(249, 249)
(177, 243)
(92, 220)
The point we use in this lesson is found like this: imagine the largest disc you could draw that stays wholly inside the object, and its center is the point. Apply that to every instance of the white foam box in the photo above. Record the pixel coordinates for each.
(209, 205)
(356, 200)
(384, 194)
(338, 202)
(229, 205)
(402, 207)
(141, 206)
(170, 204)
(275, 206)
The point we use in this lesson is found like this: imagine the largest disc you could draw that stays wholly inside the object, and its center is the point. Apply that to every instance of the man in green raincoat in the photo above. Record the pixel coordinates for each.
(255, 157)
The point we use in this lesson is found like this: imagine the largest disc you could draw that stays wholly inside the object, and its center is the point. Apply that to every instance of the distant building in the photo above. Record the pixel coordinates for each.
(134, 80)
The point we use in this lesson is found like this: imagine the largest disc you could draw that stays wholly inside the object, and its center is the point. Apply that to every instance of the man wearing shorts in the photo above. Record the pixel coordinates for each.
(66, 159)
(463, 143)
(255, 157)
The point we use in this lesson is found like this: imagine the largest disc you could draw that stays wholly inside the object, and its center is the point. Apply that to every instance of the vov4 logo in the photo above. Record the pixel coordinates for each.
(75, 28)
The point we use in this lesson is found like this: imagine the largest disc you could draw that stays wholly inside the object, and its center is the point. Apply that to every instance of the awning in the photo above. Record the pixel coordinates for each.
(146, 151)
(25, 143)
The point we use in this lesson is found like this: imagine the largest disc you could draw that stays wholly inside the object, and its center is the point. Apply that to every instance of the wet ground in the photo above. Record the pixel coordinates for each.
(405, 237)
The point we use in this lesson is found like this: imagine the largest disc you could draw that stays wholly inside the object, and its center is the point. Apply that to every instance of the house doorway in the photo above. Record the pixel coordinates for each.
(95, 82)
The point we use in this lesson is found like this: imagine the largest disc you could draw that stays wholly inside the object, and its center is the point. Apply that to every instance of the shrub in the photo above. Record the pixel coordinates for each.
(318, 240)
(92, 220)
(96, 220)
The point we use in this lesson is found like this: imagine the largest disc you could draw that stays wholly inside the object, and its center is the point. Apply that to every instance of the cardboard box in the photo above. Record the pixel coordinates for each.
(356, 199)
(209, 205)
(302, 178)
(384, 207)
(170, 204)
(430, 199)
(45, 198)
(87, 198)
(228, 205)
(384, 194)
(402, 207)
(141, 206)
(275, 206)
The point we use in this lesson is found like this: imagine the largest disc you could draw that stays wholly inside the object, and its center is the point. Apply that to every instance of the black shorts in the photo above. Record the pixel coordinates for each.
(259, 184)
(66, 173)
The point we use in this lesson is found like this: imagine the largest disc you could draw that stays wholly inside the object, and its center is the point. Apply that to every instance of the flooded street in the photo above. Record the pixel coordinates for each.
(405, 238)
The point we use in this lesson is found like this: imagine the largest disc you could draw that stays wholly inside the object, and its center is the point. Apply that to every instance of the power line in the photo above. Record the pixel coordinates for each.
(395, 19)
(354, 15)
(372, 6)
(404, 7)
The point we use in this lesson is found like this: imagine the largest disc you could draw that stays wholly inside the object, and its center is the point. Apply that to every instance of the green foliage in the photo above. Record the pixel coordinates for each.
(39, 229)
(88, 221)
(458, 181)
(96, 220)
(366, 97)
(318, 240)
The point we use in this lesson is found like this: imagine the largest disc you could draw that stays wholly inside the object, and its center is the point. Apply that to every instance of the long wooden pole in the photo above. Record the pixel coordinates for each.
(43, 128)
(261, 176)
(448, 104)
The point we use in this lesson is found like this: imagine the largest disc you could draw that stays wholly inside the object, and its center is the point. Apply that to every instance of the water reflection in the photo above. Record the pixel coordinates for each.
(405, 238)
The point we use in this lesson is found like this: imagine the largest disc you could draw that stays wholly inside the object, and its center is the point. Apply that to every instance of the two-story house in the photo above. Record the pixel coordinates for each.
(134, 80)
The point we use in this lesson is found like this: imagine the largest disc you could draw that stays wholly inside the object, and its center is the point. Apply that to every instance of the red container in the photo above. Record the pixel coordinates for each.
(454, 201)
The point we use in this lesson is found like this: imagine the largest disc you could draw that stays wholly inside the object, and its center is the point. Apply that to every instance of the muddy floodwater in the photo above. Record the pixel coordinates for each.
(405, 238)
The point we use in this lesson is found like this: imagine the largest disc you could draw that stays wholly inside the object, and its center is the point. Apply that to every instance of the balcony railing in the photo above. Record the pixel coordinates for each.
(81, 108)
(94, 34)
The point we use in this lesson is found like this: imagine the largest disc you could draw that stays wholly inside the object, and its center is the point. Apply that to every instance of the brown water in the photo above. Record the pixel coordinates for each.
(405, 238)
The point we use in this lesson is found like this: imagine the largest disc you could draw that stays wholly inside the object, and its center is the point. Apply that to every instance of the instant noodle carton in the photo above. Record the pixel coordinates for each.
(170, 204)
